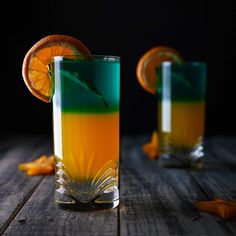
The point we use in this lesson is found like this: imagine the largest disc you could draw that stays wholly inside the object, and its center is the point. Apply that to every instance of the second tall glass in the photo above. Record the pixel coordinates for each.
(181, 114)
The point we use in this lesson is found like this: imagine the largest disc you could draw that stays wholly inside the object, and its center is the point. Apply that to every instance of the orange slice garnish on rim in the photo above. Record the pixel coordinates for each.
(35, 68)
(150, 61)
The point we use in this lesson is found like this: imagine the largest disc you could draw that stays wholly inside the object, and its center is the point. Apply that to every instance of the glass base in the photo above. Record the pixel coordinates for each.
(87, 200)
(98, 192)
(86, 195)
(192, 158)
(79, 206)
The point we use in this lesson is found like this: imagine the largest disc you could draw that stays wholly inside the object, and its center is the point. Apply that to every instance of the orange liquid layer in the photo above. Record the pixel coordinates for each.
(186, 123)
(90, 142)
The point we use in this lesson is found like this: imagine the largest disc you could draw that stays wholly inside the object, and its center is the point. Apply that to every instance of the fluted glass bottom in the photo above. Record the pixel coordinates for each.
(108, 199)
(98, 192)
(181, 157)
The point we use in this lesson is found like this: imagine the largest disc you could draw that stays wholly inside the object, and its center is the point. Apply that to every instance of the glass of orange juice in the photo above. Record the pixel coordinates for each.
(86, 130)
(181, 113)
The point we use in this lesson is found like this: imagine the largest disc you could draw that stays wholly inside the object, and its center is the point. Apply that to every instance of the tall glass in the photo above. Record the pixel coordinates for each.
(86, 130)
(181, 114)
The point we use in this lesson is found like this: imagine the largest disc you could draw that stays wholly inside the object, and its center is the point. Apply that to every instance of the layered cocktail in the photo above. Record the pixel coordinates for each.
(181, 113)
(86, 130)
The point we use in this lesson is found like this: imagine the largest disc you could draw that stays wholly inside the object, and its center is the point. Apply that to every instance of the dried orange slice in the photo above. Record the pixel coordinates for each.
(149, 63)
(35, 68)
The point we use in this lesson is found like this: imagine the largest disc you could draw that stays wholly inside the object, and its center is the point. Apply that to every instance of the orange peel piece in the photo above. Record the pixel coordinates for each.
(223, 208)
(38, 169)
(152, 148)
(43, 165)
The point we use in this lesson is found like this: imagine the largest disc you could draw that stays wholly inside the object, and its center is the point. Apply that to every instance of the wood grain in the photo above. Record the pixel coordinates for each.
(153, 200)
(158, 201)
(218, 180)
(15, 186)
(41, 216)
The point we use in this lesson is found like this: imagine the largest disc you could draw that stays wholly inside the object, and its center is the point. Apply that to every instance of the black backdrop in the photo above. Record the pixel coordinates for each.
(199, 30)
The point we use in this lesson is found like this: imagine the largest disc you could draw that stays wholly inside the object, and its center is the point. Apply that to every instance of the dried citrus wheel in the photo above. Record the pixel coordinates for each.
(35, 68)
(149, 63)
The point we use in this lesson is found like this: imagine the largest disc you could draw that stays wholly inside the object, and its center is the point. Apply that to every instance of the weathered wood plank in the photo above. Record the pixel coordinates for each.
(219, 180)
(154, 201)
(41, 216)
(158, 201)
(220, 153)
(8, 141)
(15, 186)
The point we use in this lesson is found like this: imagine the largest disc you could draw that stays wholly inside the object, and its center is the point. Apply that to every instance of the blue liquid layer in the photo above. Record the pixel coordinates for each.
(89, 86)
(186, 82)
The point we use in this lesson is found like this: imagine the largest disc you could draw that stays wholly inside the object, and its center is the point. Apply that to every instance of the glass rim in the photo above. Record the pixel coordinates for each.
(79, 57)
(187, 63)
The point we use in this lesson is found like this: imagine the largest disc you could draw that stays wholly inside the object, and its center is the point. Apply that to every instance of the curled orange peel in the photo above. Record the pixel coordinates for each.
(223, 208)
(43, 165)
(152, 148)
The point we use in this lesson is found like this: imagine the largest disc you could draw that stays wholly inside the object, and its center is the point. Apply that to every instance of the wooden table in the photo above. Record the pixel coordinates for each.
(153, 200)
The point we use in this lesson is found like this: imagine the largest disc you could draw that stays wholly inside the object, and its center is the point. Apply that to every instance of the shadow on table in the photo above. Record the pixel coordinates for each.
(86, 207)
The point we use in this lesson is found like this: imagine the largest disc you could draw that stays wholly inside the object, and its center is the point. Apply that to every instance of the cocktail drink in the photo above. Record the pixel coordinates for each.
(86, 130)
(85, 90)
(181, 113)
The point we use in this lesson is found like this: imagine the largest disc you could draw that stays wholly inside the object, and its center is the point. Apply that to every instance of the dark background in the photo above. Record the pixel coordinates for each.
(198, 29)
